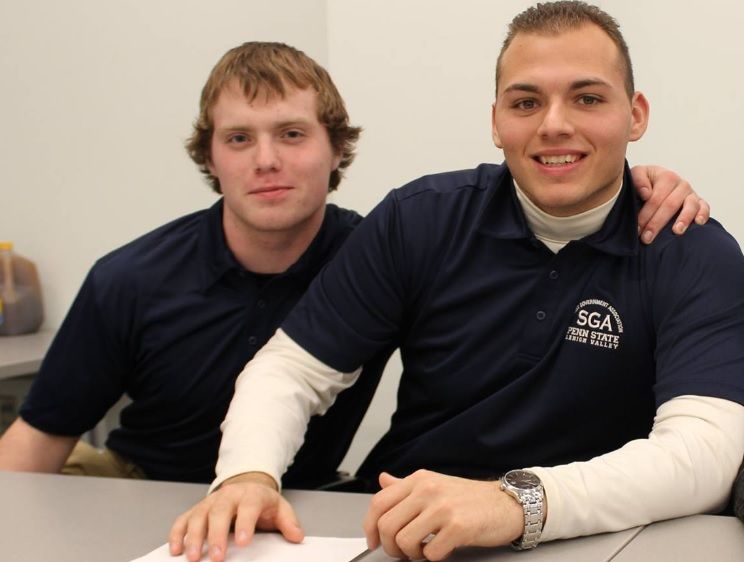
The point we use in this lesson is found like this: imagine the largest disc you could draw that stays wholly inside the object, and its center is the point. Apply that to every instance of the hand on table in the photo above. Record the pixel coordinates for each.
(456, 511)
(251, 500)
(665, 193)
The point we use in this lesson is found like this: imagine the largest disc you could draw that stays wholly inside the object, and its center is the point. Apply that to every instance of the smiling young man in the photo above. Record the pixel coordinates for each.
(535, 331)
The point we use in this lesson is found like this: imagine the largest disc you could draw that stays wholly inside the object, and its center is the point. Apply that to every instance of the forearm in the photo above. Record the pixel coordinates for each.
(275, 396)
(25, 448)
(686, 466)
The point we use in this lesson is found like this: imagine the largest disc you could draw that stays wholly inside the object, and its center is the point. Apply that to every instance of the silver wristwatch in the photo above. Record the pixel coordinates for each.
(527, 489)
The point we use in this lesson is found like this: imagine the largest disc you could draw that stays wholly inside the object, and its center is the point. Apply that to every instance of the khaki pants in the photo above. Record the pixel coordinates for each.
(86, 460)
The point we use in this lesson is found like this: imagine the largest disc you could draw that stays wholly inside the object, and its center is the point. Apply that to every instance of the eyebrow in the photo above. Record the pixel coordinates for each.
(577, 85)
(299, 122)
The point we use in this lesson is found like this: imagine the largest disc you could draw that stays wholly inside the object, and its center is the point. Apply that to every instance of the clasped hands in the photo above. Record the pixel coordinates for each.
(423, 516)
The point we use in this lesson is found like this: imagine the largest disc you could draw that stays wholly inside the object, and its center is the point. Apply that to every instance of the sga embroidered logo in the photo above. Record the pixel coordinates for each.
(596, 323)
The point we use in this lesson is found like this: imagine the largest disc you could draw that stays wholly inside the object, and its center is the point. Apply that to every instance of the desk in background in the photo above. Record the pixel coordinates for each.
(72, 519)
(22, 355)
(20, 359)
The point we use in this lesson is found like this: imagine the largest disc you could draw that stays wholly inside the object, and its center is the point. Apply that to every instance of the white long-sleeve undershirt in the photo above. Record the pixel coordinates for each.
(686, 465)
(275, 396)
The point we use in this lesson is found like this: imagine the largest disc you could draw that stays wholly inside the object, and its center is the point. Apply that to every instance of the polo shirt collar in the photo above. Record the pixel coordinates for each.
(213, 251)
(218, 259)
(502, 216)
(320, 249)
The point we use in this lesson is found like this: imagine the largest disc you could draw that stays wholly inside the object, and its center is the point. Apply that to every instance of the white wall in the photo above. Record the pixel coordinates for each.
(418, 75)
(97, 98)
(96, 101)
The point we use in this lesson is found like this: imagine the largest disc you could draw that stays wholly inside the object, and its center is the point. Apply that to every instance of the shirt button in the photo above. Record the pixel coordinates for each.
(261, 304)
(535, 243)
(541, 315)
(252, 340)
(553, 275)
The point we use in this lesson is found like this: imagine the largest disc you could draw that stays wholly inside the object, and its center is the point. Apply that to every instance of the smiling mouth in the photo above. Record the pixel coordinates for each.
(558, 159)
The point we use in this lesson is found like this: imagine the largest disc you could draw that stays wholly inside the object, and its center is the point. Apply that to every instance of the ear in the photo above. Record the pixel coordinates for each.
(494, 131)
(336, 161)
(639, 116)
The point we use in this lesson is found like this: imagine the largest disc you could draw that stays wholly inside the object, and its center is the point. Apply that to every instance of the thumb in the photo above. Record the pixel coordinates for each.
(387, 480)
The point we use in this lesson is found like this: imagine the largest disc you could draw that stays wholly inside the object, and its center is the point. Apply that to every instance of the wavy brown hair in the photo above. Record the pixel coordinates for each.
(272, 69)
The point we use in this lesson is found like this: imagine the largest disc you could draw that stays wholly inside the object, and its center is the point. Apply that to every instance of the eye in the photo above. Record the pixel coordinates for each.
(293, 134)
(237, 138)
(588, 99)
(527, 104)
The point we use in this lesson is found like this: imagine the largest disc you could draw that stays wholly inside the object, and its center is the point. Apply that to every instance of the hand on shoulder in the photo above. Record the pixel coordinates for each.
(665, 193)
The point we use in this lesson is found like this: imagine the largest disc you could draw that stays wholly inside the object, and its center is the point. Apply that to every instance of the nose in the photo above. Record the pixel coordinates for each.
(266, 156)
(556, 122)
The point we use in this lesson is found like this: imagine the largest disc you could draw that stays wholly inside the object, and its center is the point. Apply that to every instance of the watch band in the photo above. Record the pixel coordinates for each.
(532, 504)
(526, 488)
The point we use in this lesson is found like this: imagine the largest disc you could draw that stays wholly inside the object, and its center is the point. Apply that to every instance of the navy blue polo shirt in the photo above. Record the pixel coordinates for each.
(514, 356)
(170, 320)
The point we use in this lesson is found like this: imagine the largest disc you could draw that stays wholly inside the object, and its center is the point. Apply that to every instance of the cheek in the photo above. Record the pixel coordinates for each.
(315, 164)
(612, 132)
(224, 164)
(515, 134)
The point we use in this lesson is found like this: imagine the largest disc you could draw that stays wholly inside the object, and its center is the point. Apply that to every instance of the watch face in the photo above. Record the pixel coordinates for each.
(521, 479)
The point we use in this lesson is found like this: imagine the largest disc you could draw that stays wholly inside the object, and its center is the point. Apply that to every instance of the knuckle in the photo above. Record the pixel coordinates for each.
(458, 527)
(407, 543)
(429, 487)
(376, 503)
(443, 511)
(385, 526)
(434, 552)
(669, 205)
(421, 473)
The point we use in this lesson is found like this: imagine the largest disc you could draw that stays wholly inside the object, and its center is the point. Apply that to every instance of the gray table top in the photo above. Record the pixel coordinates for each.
(699, 537)
(46, 517)
(22, 355)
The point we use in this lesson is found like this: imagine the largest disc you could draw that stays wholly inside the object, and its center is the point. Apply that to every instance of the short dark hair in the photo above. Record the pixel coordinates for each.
(552, 18)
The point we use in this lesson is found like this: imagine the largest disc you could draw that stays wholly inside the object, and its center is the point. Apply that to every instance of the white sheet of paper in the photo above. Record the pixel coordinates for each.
(271, 547)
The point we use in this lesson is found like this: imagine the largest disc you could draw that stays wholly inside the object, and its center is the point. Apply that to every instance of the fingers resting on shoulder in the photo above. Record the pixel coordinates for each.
(666, 195)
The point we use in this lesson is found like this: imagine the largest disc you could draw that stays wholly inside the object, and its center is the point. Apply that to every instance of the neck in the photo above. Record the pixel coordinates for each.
(556, 232)
(267, 251)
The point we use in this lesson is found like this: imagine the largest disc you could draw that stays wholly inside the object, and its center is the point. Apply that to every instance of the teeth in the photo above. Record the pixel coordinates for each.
(562, 159)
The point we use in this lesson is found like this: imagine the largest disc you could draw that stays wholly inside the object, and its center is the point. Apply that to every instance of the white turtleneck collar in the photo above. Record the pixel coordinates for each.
(556, 232)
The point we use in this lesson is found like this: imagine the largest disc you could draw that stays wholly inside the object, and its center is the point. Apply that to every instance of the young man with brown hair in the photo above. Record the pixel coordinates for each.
(171, 318)
(534, 329)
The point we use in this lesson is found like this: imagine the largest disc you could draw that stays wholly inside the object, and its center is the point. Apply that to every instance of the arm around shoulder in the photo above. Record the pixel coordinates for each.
(24, 448)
